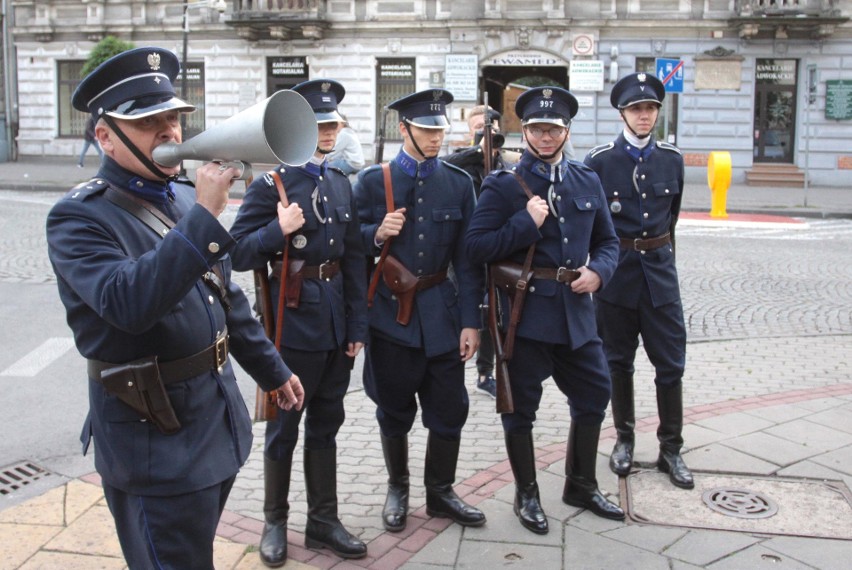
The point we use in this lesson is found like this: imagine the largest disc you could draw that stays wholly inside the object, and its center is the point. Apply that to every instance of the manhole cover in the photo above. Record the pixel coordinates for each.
(740, 503)
(16, 476)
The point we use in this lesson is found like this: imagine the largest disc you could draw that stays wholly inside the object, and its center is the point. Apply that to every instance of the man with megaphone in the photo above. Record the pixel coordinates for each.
(143, 270)
(303, 222)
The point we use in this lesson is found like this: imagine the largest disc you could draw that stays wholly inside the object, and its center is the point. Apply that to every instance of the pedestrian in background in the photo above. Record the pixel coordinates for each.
(324, 322)
(546, 222)
(142, 267)
(423, 325)
(347, 155)
(643, 181)
(89, 140)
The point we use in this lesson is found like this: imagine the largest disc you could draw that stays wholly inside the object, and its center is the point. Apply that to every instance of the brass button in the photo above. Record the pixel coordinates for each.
(213, 247)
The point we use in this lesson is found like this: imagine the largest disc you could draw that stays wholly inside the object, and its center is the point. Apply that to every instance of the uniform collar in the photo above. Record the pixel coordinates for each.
(543, 169)
(154, 191)
(315, 168)
(637, 154)
(413, 168)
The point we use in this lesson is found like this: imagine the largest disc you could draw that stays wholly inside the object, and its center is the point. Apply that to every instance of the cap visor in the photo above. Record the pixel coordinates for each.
(430, 122)
(547, 120)
(328, 117)
(636, 102)
(131, 110)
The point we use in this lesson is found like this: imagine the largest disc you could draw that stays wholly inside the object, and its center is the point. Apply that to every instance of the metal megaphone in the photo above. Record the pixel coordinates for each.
(282, 128)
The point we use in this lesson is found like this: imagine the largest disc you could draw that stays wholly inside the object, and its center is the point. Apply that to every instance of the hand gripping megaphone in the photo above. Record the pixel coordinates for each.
(282, 128)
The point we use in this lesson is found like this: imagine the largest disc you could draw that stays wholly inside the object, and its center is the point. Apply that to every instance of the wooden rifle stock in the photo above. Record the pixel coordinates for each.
(505, 402)
(265, 406)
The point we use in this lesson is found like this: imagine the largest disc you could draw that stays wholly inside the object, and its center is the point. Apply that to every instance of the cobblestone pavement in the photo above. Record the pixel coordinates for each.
(768, 312)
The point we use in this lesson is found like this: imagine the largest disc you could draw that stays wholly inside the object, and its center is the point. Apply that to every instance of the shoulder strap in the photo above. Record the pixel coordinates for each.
(151, 217)
(374, 280)
(285, 264)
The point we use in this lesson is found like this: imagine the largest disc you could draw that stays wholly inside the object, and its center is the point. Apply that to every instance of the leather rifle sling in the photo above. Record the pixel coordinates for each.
(520, 288)
(285, 265)
(377, 272)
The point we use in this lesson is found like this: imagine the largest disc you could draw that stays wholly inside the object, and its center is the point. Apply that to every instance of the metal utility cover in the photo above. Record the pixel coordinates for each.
(806, 507)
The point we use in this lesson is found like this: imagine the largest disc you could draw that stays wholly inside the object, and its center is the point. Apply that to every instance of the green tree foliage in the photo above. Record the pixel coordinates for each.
(106, 48)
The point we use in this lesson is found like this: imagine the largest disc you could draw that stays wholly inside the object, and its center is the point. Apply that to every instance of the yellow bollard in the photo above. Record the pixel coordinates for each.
(719, 180)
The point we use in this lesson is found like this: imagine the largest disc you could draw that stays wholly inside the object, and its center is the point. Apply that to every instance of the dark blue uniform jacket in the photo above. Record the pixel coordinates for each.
(439, 201)
(648, 184)
(582, 234)
(129, 294)
(330, 313)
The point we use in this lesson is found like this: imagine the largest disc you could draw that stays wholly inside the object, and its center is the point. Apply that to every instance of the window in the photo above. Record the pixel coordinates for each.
(666, 130)
(72, 123)
(194, 95)
(394, 79)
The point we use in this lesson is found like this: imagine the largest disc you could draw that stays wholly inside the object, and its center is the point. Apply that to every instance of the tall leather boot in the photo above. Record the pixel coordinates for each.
(670, 409)
(396, 504)
(527, 501)
(624, 417)
(439, 476)
(324, 529)
(581, 485)
(276, 486)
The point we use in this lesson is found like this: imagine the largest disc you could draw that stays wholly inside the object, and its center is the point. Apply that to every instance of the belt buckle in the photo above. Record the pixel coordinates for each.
(322, 270)
(561, 274)
(636, 244)
(220, 348)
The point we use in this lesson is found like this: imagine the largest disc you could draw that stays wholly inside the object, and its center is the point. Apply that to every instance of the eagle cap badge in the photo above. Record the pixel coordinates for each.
(547, 93)
(154, 61)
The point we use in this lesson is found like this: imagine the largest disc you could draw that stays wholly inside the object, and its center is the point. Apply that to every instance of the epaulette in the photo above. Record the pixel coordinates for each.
(337, 170)
(456, 168)
(85, 189)
(267, 176)
(601, 148)
(668, 146)
(504, 171)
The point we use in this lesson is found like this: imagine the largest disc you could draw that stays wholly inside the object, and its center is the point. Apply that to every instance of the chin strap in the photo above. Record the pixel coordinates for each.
(635, 134)
(414, 142)
(136, 152)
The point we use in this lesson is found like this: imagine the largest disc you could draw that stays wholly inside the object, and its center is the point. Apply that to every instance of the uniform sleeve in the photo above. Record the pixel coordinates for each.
(471, 276)
(500, 225)
(355, 280)
(92, 261)
(603, 244)
(365, 193)
(256, 229)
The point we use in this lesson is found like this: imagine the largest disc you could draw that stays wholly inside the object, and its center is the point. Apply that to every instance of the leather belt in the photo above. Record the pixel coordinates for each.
(427, 281)
(559, 274)
(638, 244)
(325, 270)
(214, 356)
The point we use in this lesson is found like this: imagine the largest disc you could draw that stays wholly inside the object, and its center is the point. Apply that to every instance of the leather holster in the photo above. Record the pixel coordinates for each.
(403, 284)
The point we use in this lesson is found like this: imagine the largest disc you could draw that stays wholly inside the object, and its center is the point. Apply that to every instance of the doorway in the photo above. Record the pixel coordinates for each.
(775, 110)
(505, 83)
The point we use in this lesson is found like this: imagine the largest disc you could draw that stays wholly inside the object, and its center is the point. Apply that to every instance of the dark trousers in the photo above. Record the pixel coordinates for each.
(168, 533)
(663, 337)
(485, 356)
(396, 377)
(580, 374)
(325, 378)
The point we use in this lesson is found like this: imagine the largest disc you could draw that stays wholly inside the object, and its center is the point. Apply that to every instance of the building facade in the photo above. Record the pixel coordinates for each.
(768, 81)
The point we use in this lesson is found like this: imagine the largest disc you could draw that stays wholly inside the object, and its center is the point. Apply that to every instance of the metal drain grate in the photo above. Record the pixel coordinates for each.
(740, 503)
(16, 476)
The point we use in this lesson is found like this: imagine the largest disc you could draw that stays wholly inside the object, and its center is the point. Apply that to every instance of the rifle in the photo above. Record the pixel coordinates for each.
(505, 402)
(265, 406)
(380, 145)
(487, 147)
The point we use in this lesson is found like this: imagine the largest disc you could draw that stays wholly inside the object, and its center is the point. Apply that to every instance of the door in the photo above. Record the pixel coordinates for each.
(775, 110)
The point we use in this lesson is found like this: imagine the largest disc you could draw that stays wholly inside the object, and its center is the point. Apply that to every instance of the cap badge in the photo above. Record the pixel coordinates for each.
(325, 87)
(641, 78)
(154, 61)
(547, 93)
(436, 95)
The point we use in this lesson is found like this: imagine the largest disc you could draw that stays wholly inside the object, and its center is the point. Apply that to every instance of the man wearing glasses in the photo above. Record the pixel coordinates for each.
(558, 206)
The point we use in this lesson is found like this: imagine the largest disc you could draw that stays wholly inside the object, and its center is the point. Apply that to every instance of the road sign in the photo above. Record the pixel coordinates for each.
(670, 72)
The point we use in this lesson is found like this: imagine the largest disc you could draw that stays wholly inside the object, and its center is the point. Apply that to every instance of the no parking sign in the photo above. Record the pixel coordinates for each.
(670, 72)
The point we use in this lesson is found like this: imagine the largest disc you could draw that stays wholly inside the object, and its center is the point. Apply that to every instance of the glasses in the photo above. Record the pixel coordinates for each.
(539, 132)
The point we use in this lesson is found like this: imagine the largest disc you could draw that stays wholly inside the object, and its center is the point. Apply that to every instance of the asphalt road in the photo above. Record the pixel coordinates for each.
(737, 283)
